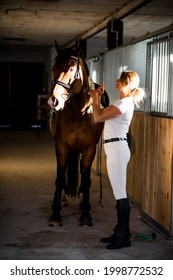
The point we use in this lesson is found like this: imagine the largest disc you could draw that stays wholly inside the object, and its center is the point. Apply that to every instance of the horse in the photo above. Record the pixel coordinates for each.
(75, 132)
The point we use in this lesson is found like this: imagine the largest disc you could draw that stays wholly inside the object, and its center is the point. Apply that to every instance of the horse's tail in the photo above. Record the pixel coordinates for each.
(72, 173)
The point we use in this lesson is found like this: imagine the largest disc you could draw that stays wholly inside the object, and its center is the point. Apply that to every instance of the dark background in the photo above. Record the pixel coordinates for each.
(20, 84)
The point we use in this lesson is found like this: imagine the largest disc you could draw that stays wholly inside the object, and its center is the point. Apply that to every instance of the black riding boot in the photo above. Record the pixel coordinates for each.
(116, 228)
(121, 238)
(112, 236)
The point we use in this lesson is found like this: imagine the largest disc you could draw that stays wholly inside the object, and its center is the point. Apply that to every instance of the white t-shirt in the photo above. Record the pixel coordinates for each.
(119, 125)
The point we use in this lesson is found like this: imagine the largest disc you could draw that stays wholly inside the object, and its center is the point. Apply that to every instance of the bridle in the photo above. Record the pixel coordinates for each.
(69, 87)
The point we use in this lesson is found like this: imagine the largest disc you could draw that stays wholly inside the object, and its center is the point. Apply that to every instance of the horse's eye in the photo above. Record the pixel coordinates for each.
(72, 69)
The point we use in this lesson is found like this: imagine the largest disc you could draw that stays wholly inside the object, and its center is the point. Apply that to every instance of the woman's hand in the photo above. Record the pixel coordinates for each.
(97, 92)
(101, 89)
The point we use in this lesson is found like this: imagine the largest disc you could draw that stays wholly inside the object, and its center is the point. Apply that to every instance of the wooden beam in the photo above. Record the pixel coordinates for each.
(149, 35)
(123, 12)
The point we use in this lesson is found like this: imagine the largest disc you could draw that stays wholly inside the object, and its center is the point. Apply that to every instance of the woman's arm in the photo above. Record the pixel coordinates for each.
(101, 115)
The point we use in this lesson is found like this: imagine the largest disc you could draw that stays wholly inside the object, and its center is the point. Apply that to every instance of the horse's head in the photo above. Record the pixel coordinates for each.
(70, 77)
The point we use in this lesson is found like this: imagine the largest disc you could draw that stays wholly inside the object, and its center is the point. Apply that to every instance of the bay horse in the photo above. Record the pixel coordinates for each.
(75, 132)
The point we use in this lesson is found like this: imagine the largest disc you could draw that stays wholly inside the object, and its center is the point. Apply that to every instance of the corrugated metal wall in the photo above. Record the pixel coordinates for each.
(107, 68)
(129, 57)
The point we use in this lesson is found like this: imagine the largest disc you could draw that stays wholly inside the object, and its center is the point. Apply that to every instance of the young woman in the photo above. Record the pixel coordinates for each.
(117, 119)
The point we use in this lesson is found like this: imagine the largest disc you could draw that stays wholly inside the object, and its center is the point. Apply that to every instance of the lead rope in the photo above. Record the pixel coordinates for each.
(92, 87)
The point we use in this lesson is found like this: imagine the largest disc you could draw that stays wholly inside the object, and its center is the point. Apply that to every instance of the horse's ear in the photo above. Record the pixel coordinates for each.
(79, 50)
(57, 47)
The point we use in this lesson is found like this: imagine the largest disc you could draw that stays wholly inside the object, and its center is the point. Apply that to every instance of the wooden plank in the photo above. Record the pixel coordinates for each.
(157, 190)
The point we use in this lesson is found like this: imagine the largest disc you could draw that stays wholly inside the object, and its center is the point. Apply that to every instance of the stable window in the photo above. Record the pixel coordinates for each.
(158, 76)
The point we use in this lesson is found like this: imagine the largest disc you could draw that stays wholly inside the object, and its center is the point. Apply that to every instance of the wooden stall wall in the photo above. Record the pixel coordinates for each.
(158, 158)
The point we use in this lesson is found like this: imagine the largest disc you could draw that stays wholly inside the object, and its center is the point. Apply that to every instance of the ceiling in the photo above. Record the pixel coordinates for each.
(38, 23)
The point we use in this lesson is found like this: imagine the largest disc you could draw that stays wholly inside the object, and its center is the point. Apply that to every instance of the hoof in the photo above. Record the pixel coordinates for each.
(55, 220)
(54, 223)
(85, 220)
(85, 223)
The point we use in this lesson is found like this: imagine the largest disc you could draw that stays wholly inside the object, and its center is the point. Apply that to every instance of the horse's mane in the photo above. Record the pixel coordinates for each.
(86, 66)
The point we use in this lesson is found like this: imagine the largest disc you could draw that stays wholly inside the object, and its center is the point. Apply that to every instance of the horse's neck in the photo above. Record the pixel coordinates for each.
(78, 104)
(80, 100)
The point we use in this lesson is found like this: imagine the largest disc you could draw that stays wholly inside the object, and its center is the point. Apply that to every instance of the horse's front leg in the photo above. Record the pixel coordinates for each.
(87, 159)
(85, 219)
(60, 184)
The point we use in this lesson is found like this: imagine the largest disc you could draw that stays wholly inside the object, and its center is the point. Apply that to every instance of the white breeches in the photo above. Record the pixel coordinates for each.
(117, 158)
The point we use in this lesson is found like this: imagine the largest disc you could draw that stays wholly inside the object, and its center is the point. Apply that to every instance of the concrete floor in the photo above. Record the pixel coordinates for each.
(27, 174)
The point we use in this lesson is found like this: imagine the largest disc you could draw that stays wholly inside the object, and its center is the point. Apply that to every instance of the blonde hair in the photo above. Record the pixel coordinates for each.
(131, 78)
